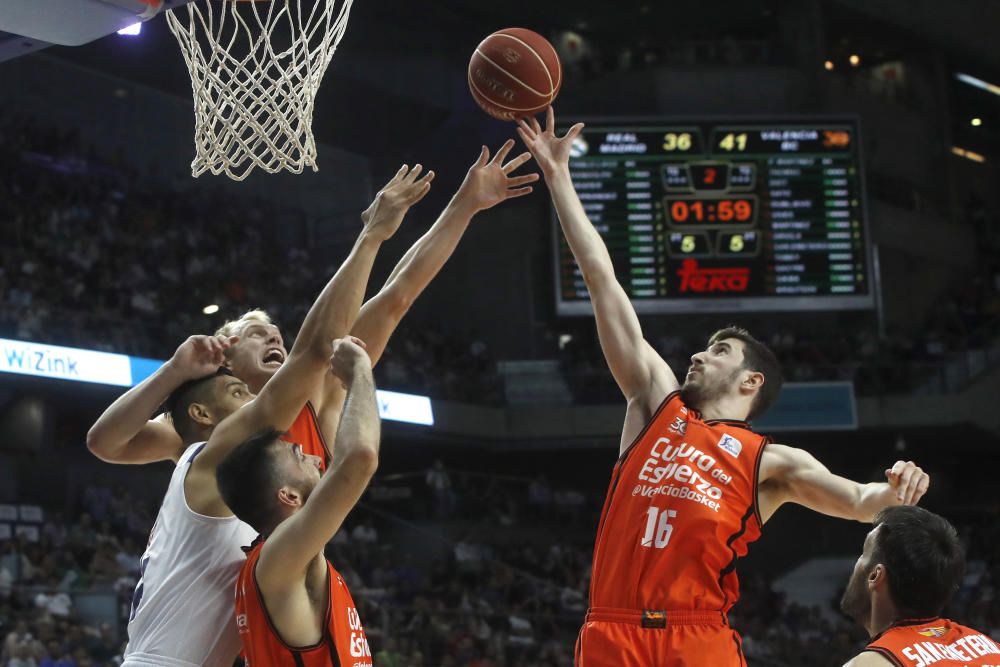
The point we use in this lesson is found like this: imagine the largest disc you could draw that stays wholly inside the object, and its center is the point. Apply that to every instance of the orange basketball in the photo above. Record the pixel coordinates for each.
(513, 73)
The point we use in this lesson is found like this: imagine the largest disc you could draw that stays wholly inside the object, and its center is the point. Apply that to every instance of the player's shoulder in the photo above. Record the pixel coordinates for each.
(869, 659)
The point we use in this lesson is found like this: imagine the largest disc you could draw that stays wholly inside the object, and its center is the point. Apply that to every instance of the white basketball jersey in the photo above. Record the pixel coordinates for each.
(183, 606)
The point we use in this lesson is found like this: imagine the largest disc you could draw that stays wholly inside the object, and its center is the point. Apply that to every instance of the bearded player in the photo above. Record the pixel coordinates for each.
(293, 608)
(911, 565)
(694, 484)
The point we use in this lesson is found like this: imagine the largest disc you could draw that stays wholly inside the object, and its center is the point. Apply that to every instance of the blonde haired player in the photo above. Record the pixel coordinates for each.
(694, 484)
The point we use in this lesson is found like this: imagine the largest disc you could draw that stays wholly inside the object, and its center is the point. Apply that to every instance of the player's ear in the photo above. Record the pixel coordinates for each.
(289, 497)
(753, 381)
(199, 414)
(878, 577)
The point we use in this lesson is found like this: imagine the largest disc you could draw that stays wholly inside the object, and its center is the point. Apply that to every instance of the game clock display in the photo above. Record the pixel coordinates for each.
(723, 216)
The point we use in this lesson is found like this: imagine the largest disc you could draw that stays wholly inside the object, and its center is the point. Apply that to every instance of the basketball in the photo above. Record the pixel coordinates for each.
(513, 73)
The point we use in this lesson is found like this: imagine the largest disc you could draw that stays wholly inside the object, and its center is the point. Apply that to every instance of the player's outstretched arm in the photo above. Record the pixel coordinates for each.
(793, 475)
(868, 659)
(487, 183)
(639, 371)
(125, 434)
(296, 541)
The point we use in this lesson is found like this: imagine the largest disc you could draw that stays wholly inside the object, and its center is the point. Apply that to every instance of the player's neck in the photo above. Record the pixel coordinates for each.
(725, 407)
(883, 614)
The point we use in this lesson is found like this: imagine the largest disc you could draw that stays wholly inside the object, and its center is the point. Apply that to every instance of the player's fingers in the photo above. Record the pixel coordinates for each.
(518, 192)
(516, 162)
(535, 126)
(523, 125)
(421, 192)
(501, 154)
(526, 137)
(905, 479)
(399, 175)
(913, 484)
(521, 180)
(414, 173)
(484, 157)
(574, 131)
(550, 119)
(923, 483)
(357, 341)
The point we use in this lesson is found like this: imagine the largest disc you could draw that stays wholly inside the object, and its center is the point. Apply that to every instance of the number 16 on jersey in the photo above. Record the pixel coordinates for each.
(658, 528)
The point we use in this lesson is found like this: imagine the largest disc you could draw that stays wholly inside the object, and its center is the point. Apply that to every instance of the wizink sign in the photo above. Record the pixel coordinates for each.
(74, 364)
(64, 363)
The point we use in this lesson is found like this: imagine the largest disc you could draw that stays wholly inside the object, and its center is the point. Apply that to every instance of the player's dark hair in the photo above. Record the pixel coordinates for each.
(198, 390)
(759, 358)
(248, 479)
(922, 556)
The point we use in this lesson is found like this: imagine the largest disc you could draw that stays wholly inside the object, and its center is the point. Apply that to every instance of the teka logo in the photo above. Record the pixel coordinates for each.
(511, 56)
(679, 426)
(731, 445)
(696, 279)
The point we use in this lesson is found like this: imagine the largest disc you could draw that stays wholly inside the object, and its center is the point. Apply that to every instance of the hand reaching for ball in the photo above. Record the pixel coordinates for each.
(550, 152)
(489, 181)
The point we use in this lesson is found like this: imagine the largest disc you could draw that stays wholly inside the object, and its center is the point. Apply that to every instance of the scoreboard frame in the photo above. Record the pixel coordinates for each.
(737, 304)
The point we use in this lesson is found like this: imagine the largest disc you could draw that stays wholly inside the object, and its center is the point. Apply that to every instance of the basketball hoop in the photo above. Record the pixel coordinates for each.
(255, 69)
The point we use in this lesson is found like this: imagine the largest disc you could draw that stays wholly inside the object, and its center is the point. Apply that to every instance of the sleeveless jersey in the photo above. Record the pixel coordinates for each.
(343, 643)
(935, 641)
(305, 431)
(680, 511)
(182, 608)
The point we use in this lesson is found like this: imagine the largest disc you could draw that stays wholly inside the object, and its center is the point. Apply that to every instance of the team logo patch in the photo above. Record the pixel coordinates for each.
(938, 631)
(731, 445)
(679, 426)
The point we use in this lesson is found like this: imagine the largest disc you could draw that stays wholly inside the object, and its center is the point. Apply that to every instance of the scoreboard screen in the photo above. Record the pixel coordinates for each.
(723, 216)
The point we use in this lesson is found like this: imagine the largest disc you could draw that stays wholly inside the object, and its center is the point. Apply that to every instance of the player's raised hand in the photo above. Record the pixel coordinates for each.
(383, 217)
(549, 151)
(489, 181)
(199, 356)
(349, 355)
(909, 482)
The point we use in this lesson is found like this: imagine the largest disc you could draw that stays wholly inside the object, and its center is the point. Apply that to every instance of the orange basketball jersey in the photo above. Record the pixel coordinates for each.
(343, 644)
(935, 641)
(681, 509)
(305, 431)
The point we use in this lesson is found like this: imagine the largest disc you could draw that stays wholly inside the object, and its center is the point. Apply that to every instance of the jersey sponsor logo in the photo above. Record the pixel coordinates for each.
(965, 649)
(679, 426)
(731, 445)
(697, 475)
(933, 632)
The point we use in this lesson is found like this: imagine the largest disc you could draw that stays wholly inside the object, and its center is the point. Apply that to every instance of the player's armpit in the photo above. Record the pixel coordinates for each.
(868, 659)
(794, 475)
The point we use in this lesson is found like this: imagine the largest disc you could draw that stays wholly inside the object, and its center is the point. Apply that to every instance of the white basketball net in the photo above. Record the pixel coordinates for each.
(255, 69)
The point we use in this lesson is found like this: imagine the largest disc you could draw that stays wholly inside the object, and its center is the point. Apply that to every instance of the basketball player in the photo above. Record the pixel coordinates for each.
(911, 565)
(694, 484)
(293, 608)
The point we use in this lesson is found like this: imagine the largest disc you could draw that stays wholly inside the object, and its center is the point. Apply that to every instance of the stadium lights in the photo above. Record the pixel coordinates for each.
(855, 60)
(976, 122)
(968, 155)
(828, 65)
(133, 29)
(210, 309)
(978, 83)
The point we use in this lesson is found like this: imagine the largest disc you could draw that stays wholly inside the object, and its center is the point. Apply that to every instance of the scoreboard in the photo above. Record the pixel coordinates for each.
(723, 216)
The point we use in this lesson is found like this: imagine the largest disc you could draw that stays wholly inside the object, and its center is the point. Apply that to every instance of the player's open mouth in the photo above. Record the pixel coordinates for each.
(274, 357)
